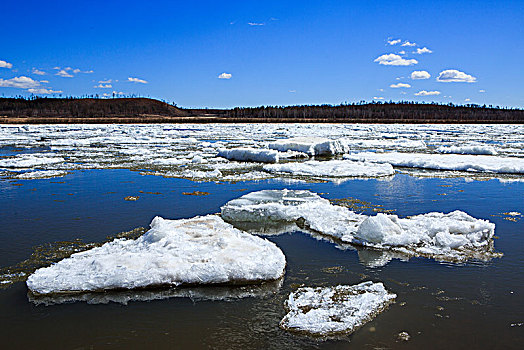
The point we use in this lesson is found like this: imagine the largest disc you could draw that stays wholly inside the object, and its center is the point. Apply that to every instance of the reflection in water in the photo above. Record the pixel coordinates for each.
(378, 258)
(214, 293)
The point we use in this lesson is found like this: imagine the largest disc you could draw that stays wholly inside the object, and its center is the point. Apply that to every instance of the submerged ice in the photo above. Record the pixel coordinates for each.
(324, 311)
(452, 236)
(201, 250)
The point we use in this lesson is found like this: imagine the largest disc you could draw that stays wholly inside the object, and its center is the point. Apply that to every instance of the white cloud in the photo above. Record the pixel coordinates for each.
(402, 52)
(394, 60)
(378, 98)
(108, 81)
(399, 85)
(427, 93)
(88, 71)
(394, 41)
(256, 24)
(44, 81)
(467, 99)
(43, 91)
(422, 50)
(137, 80)
(420, 74)
(225, 76)
(63, 73)
(4, 64)
(22, 82)
(482, 90)
(407, 43)
(381, 90)
(403, 92)
(38, 72)
(103, 86)
(453, 75)
(76, 71)
(292, 91)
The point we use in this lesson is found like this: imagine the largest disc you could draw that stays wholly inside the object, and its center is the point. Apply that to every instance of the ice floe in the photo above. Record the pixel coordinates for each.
(471, 149)
(454, 236)
(332, 168)
(42, 174)
(313, 146)
(458, 162)
(325, 311)
(201, 250)
(30, 160)
(248, 154)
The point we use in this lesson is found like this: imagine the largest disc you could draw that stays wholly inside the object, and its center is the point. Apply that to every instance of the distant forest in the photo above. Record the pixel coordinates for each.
(145, 110)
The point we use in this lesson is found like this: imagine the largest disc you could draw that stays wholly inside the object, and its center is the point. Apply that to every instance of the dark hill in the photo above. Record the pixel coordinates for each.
(144, 110)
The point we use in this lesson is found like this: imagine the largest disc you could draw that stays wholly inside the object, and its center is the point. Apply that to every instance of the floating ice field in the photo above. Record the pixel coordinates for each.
(200, 152)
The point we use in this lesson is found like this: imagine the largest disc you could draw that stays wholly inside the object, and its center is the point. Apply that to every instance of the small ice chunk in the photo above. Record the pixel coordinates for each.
(324, 311)
(201, 250)
(471, 149)
(313, 146)
(42, 174)
(247, 154)
(332, 168)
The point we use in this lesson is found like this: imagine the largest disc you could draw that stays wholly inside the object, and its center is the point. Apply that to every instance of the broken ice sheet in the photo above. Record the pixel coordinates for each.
(201, 250)
(332, 169)
(326, 311)
(454, 236)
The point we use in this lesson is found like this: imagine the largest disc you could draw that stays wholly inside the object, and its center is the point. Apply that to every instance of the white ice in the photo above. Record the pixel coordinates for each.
(459, 162)
(30, 160)
(313, 146)
(469, 149)
(42, 174)
(452, 236)
(201, 250)
(324, 311)
(332, 168)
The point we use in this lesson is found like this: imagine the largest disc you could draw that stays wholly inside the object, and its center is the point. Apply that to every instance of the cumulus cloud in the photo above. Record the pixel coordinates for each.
(467, 99)
(225, 76)
(292, 91)
(394, 60)
(378, 98)
(4, 64)
(103, 86)
(427, 93)
(38, 72)
(44, 81)
(400, 85)
(482, 90)
(456, 76)
(407, 43)
(420, 74)
(137, 80)
(256, 24)
(402, 52)
(64, 74)
(108, 81)
(422, 50)
(21, 82)
(43, 91)
(394, 41)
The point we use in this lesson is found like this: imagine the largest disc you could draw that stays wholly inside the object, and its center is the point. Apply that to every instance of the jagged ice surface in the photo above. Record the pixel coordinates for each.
(325, 311)
(201, 250)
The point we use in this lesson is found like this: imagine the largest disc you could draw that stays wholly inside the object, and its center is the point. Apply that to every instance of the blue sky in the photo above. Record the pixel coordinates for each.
(247, 53)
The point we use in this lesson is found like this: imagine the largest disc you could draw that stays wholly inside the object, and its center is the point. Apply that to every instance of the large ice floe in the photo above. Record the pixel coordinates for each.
(313, 146)
(469, 149)
(332, 168)
(458, 162)
(325, 311)
(201, 250)
(454, 236)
